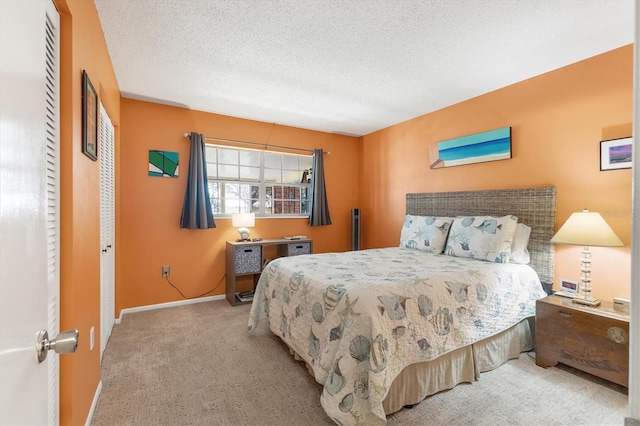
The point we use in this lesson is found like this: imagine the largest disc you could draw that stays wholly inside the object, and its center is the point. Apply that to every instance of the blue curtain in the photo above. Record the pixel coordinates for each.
(196, 213)
(319, 212)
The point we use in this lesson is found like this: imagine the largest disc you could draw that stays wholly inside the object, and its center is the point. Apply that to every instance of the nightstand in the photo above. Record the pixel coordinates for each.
(595, 340)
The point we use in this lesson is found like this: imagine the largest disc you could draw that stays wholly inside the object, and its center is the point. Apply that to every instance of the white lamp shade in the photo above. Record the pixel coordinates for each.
(243, 220)
(587, 228)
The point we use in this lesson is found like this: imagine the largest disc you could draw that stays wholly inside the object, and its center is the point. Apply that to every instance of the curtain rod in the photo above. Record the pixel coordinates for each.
(265, 145)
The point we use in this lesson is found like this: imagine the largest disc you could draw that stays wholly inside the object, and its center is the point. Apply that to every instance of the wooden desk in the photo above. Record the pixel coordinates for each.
(246, 258)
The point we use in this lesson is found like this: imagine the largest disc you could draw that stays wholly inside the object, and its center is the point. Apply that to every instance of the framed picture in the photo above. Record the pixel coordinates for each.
(89, 118)
(616, 154)
(163, 163)
(486, 146)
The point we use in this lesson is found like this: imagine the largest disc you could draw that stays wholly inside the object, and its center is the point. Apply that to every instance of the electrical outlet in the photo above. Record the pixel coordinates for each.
(91, 338)
(166, 271)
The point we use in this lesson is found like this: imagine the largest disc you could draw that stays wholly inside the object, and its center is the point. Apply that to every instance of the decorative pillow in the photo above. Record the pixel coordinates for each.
(482, 237)
(519, 251)
(426, 233)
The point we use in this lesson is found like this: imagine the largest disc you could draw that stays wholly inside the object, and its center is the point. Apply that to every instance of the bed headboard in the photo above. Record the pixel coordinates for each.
(535, 207)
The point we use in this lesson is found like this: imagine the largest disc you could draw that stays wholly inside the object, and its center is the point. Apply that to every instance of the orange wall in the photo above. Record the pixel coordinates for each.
(558, 120)
(82, 47)
(151, 207)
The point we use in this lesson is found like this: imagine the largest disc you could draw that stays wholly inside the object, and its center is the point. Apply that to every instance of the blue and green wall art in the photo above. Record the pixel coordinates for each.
(486, 146)
(163, 163)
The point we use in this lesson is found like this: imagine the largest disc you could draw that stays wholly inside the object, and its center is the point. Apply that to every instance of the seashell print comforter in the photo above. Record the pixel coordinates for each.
(358, 318)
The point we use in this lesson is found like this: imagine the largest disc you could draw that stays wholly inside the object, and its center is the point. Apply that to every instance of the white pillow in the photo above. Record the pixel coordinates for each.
(426, 233)
(519, 251)
(482, 237)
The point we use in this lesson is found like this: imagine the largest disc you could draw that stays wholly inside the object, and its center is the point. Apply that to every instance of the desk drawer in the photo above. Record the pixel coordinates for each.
(248, 260)
(296, 249)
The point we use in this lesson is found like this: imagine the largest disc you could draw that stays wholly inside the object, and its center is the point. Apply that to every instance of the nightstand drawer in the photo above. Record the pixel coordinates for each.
(248, 259)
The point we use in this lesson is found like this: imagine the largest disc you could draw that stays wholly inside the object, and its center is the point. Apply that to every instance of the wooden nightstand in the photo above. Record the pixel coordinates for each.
(595, 340)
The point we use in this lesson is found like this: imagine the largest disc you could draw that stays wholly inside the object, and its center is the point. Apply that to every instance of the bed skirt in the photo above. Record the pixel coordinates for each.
(463, 365)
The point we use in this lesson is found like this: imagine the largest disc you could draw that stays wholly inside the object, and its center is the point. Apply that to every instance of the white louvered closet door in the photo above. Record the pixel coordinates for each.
(52, 136)
(107, 228)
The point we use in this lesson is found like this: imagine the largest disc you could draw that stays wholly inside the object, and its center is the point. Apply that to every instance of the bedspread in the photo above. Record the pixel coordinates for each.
(358, 318)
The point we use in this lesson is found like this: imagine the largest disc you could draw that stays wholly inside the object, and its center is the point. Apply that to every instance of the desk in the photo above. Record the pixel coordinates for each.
(246, 258)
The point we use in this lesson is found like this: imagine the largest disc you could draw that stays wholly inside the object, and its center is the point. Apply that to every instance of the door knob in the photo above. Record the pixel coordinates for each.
(65, 343)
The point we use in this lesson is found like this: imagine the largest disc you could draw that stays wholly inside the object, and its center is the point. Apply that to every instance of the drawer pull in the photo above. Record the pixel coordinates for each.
(565, 314)
(299, 247)
(248, 250)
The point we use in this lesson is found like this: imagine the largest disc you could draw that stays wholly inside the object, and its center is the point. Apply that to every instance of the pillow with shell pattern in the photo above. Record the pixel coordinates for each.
(482, 237)
(427, 233)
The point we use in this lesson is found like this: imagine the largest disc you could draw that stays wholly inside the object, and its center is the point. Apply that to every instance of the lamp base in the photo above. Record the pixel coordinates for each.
(244, 234)
(588, 302)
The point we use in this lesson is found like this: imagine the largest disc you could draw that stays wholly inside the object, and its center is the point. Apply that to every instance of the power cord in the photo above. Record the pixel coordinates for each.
(200, 295)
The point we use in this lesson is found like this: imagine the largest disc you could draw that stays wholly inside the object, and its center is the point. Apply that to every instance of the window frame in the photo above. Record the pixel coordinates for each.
(262, 200)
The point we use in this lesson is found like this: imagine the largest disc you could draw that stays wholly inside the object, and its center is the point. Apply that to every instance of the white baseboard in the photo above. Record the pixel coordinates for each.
(94, 404)
(167, 305)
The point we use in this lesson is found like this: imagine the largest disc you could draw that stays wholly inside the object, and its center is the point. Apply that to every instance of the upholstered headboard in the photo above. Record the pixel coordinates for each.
(535, 207)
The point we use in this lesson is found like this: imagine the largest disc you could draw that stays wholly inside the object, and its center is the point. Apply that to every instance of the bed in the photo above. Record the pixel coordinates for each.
(381, 329)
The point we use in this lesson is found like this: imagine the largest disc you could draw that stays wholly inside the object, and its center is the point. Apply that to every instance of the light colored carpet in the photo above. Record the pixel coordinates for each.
(196, 364)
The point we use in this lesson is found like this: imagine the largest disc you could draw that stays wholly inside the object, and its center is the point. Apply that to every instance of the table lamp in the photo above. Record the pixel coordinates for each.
(242, 221)
(586, 229)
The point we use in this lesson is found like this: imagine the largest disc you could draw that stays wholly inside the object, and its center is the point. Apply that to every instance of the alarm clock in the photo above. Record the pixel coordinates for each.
(569, 286)
(568, 289)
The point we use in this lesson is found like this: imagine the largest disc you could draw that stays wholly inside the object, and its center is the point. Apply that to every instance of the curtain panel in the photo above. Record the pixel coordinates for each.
(319, 213)
(196, 212)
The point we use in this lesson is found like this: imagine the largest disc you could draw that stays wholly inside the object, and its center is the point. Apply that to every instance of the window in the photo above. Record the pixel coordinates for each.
(250, 181)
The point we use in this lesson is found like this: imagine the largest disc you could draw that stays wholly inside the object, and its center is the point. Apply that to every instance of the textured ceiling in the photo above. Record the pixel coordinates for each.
(346, 66)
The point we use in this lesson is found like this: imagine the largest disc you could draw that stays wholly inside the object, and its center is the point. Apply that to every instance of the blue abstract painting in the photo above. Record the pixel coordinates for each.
(486, 146)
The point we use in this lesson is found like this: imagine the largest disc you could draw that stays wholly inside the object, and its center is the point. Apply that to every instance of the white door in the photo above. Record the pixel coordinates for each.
(29, 230)
(107, 229)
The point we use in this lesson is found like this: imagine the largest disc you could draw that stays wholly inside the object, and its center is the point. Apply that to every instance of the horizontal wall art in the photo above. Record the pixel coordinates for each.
(616, 154)
(486, 146)
(163, 163)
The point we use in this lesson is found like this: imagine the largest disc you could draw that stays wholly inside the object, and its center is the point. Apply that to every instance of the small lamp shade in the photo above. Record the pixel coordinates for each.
(587, 228)
(243, 220)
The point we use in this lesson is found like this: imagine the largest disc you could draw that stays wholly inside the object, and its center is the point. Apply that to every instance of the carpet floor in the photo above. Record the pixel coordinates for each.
(197, 365)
